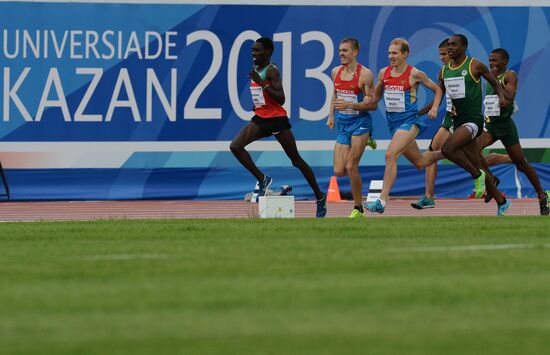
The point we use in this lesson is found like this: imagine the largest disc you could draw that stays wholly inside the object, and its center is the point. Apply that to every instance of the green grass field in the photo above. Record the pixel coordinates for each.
(250, 286)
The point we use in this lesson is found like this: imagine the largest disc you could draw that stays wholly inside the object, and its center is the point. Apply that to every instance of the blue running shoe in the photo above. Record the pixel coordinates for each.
(375, 207)
(504, 207)
(321, 207)
(424, 202)
(263, 186)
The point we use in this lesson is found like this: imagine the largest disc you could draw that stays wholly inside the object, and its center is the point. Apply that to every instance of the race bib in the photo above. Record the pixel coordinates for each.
(394, 100)
(257, 96)
(492, 108)
(455, 87)
(348, 98)
(449, 103)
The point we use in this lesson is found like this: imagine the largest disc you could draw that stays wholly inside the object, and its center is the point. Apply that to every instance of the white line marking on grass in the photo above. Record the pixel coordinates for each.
(123, 257)
(453, 248)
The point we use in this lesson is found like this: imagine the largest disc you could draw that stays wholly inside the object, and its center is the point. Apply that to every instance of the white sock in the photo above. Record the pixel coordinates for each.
(382, 202)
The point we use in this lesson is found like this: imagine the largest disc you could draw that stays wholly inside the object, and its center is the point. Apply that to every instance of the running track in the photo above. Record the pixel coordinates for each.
(91, 210)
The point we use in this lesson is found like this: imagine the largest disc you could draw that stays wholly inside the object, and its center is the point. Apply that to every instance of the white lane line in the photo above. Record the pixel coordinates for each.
(454, 248)
(122, 257)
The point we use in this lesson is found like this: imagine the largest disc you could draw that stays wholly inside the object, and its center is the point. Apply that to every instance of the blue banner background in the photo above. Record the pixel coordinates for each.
(527, 41)
(523, 31)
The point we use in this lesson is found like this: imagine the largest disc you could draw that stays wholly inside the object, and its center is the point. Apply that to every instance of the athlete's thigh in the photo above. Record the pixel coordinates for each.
(341, 152)
(484, 140)
(439, 138)
(401, 141)
(248, 134)
(460, 137)
(358, 145)
(288, 142)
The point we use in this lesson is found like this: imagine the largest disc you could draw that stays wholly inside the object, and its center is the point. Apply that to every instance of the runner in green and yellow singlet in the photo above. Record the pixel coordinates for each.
(500, 126)
(461, 80)
(444, 132)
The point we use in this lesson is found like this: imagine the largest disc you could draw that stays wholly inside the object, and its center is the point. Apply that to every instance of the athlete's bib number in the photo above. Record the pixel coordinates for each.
(456, 87)
(257, 96)
(394, 100)
(449, 103)
(348, 98)
(492, 109)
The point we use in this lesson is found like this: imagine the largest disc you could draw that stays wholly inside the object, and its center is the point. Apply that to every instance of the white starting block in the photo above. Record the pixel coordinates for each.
(276, 206)
(374, 190)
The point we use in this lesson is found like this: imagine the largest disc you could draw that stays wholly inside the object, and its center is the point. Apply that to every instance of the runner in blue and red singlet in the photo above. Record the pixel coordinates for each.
(398, 84)
(352, 82)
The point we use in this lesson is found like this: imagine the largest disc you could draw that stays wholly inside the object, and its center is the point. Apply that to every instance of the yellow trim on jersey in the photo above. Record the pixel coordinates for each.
(459, 65)
(470, 72)
(413, 95)
(503, 76)
(504, 84)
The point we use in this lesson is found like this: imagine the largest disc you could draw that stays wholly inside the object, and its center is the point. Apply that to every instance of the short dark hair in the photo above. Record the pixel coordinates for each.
(503, 52)
(463, 39)
(353, 41)
(444, 43)
(267, 43)
(402, 43)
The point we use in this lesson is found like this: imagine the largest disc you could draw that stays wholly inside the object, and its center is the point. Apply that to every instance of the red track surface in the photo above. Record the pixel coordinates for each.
(90, 210)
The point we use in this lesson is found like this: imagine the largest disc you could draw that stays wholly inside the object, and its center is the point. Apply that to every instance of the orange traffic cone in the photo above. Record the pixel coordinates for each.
(333, 194)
